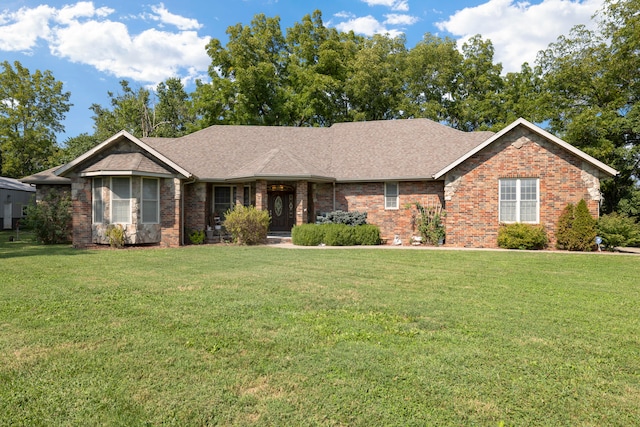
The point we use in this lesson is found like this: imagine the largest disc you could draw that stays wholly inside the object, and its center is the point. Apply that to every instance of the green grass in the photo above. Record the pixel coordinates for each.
(224, 335)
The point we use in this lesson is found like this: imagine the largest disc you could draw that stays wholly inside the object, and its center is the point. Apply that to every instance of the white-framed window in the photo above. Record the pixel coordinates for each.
(150, 200)
(121, 200)
(391, 192)
(97, 202)
(519, 200)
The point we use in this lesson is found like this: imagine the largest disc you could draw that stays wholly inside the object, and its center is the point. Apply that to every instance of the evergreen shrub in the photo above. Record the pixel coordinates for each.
(335, 235)
(576, 229)
(50, 219)
(618, 230)
(522, 236)
(341, 217)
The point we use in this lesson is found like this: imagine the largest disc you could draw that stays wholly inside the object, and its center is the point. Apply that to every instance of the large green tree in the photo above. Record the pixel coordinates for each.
(32, 108)
(591, 92)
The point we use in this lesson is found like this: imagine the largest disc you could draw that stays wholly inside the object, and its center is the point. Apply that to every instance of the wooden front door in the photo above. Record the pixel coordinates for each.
(282, 210)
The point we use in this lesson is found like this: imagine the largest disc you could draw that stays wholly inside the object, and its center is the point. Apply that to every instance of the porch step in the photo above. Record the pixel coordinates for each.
(275, 238)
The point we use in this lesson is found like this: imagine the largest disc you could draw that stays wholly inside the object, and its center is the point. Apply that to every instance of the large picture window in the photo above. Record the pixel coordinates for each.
(150, 200)
(391, 192)
(519, 200)
(121, 200)
(97, 204)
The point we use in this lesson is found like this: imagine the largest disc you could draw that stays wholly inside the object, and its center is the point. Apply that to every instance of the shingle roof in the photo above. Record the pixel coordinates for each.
(127, 162)
(400, 149)
(46, 177)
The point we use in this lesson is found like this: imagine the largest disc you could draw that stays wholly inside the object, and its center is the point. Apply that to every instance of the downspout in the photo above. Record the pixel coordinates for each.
(334, 196)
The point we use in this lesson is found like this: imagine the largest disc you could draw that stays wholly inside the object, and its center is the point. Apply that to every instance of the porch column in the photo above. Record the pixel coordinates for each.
(239, 194)
(261, 195)
(302, 202)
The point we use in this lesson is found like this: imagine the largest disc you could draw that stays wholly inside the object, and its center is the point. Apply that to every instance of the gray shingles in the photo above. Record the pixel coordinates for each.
(397, 149)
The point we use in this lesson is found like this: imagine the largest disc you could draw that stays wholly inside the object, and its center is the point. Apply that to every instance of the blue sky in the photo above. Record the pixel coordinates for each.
(91, 45)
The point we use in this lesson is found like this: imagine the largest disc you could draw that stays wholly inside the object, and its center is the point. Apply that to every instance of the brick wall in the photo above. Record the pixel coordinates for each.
(170, 209)
(369, 198)
(471, 190)
(81, 205)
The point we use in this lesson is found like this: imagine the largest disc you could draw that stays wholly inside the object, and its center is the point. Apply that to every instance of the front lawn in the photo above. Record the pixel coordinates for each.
(216, 335)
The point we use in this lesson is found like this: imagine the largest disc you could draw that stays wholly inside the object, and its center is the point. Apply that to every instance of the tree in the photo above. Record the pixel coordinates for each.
(131, 111)
(32, 108)
(375, 81)
(247, 75)
(592, 85)
(173, 116)
(74, 147)
(475, 99)
(431, 70)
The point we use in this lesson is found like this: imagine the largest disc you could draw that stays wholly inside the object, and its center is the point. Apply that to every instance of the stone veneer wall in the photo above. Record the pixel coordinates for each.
(369, 198)
(472, 189)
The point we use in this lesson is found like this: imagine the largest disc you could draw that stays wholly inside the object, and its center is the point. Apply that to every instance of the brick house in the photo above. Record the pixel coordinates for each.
(158, 187)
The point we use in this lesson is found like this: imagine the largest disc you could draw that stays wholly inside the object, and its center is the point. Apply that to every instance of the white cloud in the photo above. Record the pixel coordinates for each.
(82, 33)
(399, 5)
(182, 23)
(519, 30)
(400, 19)
(367, 25)
(21, 30)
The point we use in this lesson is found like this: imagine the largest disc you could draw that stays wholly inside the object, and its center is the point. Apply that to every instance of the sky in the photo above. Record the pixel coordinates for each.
(91, 45)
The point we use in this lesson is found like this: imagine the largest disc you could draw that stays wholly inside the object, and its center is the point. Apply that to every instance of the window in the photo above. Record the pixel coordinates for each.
(121, 200)
(391, 195)
(519, 200)
(97, 205)
(247, 195)
(150, 200)
(222, 200)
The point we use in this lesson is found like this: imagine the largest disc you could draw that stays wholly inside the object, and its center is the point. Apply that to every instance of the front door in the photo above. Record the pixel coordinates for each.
(282, 210)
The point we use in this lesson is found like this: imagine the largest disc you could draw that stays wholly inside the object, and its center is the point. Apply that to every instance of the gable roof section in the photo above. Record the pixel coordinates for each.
(119, 162)
(278, 164)
(222, 152)
(550, 137)
(126, 164)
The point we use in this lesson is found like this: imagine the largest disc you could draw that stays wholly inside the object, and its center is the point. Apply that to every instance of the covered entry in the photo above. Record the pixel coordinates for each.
(282, 206)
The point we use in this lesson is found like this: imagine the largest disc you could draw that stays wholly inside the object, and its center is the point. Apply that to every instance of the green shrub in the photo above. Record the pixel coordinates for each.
(335, 235)
(307, 235)
(576, 230)
(342, 217)
(618, 230)
(522, 236)
(50, 219)
(247, 225)
(116, 235)
(339, 235)
(196, 237)
(367, 234)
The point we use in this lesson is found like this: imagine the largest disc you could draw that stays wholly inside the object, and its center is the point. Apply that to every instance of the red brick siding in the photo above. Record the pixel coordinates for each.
(170, 218)
(195, 209)
(81, 202)
(369, 198)
(472, 211)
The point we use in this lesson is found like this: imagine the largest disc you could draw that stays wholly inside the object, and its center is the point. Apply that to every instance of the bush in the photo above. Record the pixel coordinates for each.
(576, 230)
(618, 230)
(335, 235)
(196, 237)
(50, 219)
(522, 236)
(342, 217)
(247, 225)
(367, 234)
(307, 235)
(116, 236)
